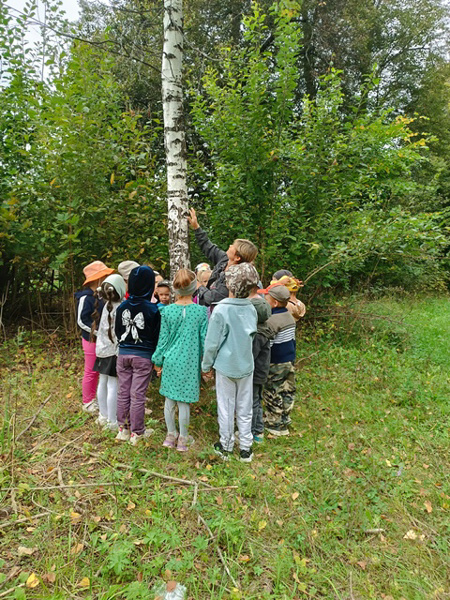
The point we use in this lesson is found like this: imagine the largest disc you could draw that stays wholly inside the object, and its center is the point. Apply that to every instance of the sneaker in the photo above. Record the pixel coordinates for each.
(112, 426)
(135, 438)
(258, 438)
(124, 434)
(91, 407)
(220, 451)
(246, 455)
(277, 432)
(184, 443)
(101, 420)
(171, 440)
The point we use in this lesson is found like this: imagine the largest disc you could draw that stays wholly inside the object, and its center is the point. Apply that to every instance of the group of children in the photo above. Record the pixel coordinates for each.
(221, 321)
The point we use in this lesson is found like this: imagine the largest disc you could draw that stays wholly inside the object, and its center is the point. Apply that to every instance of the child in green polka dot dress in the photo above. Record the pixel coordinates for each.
(178, 357)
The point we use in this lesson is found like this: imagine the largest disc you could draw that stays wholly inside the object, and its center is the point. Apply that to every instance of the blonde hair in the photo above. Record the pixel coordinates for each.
(246, 250)
(183, 278)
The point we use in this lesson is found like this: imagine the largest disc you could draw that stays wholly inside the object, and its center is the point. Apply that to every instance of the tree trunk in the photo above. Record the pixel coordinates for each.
(174, 135)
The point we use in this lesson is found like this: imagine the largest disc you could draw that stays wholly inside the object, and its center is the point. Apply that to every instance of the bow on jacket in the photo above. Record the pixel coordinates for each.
(133, 325)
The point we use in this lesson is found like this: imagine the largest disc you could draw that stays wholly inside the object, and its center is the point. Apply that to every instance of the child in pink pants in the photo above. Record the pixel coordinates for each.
(89, 308)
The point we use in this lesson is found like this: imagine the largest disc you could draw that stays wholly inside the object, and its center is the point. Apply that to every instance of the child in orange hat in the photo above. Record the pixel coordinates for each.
(89, 308)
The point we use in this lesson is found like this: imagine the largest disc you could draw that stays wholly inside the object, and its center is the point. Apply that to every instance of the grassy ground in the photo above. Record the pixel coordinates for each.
(354, 505)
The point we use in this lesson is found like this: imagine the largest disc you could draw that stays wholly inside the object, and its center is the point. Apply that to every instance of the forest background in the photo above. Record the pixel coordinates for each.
(319, 130)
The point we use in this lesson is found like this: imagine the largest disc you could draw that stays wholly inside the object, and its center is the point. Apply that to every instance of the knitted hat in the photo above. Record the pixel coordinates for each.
(95, 270)
(126, 267)
(240, 279)
(278, 291)
(292, 283)
(118, 284)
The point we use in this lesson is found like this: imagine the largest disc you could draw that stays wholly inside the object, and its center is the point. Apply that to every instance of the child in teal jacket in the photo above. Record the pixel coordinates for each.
(228, 349)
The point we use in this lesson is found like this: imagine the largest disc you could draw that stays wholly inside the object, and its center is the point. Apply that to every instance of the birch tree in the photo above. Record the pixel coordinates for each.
(174, 135)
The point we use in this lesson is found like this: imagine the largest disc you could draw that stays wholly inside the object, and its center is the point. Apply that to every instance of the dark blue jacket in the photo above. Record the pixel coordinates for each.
(138, 319)
(85, 307)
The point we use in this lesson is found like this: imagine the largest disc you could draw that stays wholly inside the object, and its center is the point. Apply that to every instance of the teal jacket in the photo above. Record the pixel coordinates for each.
(228, 344)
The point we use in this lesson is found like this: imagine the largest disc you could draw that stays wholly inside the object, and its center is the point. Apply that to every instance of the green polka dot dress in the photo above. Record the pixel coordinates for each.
(180, 350)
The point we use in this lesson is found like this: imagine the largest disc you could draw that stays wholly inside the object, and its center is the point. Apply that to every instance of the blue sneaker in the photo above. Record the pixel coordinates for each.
(258, 438)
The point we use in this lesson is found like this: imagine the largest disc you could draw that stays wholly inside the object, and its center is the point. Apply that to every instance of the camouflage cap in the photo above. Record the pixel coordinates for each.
(240, 279)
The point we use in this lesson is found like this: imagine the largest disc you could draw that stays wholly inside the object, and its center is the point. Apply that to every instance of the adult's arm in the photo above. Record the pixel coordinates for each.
(213, 253)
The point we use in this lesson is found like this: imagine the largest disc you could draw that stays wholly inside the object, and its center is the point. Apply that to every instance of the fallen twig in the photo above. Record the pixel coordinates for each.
(219, 551)
(6, 592)
(194, 499)
(66, 445)
(24, 519)
(373, 531)
(34, 418)
(352, 597)
(299, 360)
(155, 473)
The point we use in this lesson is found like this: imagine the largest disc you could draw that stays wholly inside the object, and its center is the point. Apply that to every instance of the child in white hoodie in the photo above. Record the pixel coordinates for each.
(112, 291)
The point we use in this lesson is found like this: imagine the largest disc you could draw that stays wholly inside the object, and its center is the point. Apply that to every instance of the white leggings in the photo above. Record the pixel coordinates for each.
(183, 416)
(107, 397)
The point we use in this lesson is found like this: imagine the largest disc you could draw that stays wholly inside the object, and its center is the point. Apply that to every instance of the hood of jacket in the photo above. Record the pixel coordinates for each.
(141, 284)
(83, 292)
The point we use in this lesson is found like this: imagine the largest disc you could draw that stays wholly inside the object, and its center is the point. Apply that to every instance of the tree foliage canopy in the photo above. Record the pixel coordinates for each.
(318, 130)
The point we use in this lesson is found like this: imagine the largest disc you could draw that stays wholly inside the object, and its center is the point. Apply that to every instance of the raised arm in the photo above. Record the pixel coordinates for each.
(213, 253)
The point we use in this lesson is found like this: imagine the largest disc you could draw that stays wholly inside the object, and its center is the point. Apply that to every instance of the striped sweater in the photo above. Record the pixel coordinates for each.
(283, 345)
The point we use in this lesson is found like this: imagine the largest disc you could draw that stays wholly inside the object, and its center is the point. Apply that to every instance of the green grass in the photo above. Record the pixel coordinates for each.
(321, 514)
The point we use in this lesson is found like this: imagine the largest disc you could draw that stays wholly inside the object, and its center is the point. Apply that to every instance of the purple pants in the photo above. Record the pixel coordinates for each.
(133, 373)
(90, 377)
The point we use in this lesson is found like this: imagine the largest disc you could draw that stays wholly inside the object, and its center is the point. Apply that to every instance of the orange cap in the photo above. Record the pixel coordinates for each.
(96, 270)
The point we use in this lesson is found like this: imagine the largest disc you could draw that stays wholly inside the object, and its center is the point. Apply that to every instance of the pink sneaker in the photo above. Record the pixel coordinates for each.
(184, 443)
(170, 441)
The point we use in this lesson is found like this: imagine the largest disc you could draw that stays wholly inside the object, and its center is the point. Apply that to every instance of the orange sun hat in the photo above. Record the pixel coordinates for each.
(96, 270)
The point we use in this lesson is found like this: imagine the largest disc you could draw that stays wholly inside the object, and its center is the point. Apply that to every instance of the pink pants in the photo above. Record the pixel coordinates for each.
(90, 377)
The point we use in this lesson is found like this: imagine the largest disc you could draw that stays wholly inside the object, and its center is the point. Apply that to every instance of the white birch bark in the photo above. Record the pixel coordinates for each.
(174, 135)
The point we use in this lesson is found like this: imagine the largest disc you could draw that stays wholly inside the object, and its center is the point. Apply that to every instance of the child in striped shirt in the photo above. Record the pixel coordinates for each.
(279, 391)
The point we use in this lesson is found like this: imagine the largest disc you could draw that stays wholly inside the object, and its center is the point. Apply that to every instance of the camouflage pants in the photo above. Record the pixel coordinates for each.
(279, 392)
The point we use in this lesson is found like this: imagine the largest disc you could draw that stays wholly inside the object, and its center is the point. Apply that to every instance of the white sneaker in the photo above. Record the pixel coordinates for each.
(124, 434)
(112, 426)
(101, 420)
(135, 438)
(91, 407)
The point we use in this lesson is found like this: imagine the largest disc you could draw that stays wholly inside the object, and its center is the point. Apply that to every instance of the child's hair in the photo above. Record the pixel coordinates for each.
(110, 295)
(246, 250)
(282, 303)
(95, 316)
(183, 278)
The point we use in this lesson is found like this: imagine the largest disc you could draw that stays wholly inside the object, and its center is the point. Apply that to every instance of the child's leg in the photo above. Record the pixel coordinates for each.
(102, 394)
(169, 415)
(90, 377)
(125, 378)
(279, 396)
(184, 413)
(142, 370)
(288, 393)
(112, 399)
(244, 412)
(257, 419)
(226, 401)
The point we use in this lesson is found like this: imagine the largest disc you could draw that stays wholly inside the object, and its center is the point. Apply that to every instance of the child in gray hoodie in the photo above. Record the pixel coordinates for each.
(261, 358)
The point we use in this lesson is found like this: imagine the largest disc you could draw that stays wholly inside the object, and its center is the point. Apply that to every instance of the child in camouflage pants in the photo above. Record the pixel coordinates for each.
(279, 391)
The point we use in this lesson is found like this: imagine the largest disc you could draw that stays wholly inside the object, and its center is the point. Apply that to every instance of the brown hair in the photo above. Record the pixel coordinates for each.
(110, 294)
(246, 250)
(95, 316)
(183, 278)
